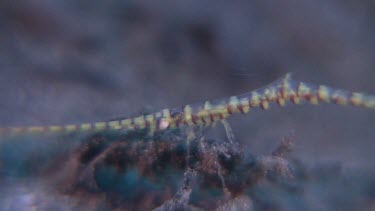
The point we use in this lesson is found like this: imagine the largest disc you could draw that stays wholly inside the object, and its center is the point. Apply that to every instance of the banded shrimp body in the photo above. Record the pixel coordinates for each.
(280, 92)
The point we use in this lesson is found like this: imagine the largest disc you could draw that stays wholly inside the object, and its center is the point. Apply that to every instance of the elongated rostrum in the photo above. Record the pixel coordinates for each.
(279, 92)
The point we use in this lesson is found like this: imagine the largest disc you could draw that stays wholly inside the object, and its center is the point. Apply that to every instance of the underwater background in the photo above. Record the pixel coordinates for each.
(79, 61)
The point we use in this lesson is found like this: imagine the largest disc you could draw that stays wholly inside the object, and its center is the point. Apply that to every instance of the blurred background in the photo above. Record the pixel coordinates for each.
(84, 61)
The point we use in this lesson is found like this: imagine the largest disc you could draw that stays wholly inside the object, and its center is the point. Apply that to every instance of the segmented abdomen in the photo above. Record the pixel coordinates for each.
(280, 92)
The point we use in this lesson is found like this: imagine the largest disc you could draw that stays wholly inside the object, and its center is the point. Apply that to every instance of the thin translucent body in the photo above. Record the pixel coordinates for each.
(206, 113)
